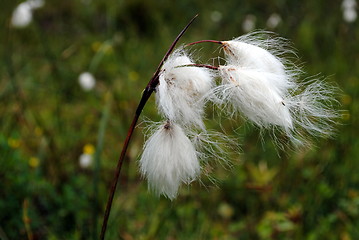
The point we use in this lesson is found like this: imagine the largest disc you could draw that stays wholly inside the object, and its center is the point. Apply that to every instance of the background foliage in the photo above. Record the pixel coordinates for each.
(48, 121)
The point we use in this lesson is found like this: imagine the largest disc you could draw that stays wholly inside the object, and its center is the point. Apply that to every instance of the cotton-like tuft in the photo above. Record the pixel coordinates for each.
(306, 108)
(257, 95)
(261, 82)
(169, 159)
(259, 51)
(181, 89)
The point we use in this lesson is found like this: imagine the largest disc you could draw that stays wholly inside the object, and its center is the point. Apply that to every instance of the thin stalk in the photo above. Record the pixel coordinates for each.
(151, 86)
(199, 65)
(203, 41)
(154, 81)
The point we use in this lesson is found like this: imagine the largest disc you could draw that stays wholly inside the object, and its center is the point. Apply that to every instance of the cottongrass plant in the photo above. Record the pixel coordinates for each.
(258, 81)
(169, 158)
(180, 91)
(261, 82)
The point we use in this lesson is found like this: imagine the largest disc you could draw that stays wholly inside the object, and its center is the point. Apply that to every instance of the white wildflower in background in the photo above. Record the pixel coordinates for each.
(181, 89)
(169, 159)
(349, 4)
(350, 15)
(35, 4)
(22, 15)
(85, 160)
(349, 10)
(216, 16)
(249, 23)
(87, 81)
(273, 21)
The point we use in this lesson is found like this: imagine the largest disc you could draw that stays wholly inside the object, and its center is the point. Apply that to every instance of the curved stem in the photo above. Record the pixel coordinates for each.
(203, 41)
(154, 81)
(145, 96)
(117, 174)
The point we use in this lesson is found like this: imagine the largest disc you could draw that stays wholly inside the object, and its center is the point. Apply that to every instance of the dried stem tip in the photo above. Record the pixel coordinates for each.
(203, 41)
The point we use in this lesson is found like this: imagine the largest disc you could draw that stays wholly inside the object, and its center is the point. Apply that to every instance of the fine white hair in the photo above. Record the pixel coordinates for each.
(254, 94)
(181, 88)
(260, 81)
(264, 52)
(313, 108)
(169, 159)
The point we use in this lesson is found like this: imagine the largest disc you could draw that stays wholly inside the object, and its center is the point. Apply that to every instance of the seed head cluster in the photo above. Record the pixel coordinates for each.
(257, 81)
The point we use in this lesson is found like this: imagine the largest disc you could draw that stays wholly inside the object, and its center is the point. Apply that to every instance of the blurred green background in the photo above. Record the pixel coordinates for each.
(48, 121)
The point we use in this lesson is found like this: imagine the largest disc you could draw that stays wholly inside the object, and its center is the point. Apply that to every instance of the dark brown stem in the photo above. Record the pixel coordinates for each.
(145, 96)
(203, 41)
(154, 81)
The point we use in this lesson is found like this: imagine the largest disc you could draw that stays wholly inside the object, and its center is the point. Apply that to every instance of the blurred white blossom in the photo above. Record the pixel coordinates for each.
(274, 20)
(22, 15)
(349, 10)
(350, 15)
(216, 16)
(87, 81)
(349, 4)
(35, 4)
(249, 23)
(85, 160)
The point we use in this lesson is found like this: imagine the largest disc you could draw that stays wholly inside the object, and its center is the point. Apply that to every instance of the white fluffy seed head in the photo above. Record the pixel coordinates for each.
(169, 159)
(257, 95)
(260, 51)
(306, 108)
(250, 56)
(260, 81)
(181, 89)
